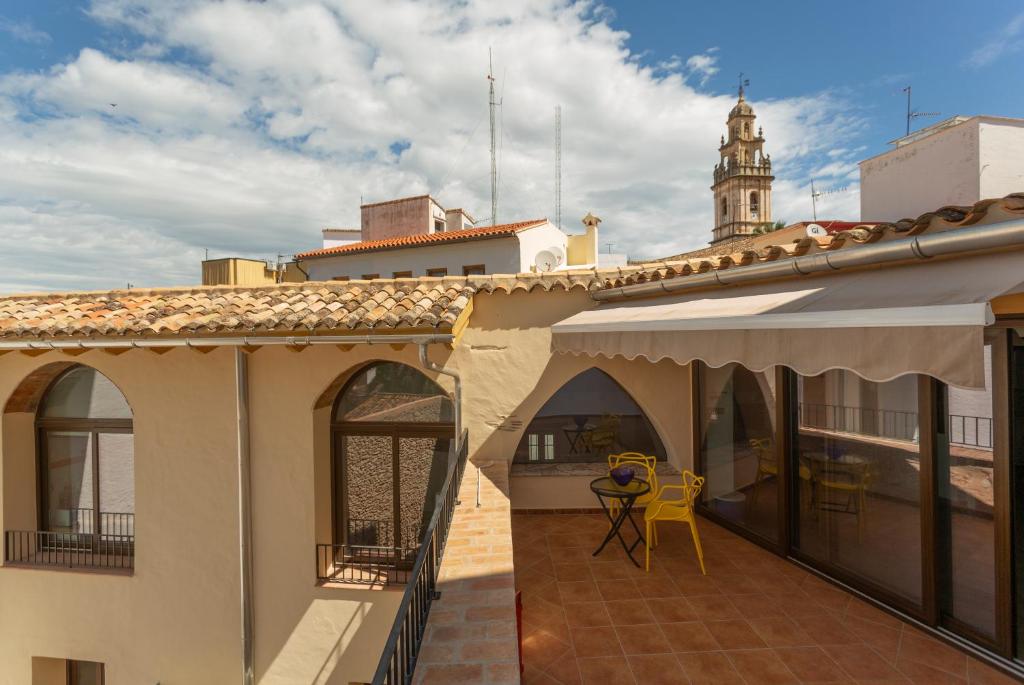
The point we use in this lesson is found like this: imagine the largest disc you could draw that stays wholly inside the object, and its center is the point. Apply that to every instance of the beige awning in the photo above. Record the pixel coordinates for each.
(879, 323)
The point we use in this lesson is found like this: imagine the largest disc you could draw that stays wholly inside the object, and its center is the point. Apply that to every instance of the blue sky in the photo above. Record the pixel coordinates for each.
(243, 128)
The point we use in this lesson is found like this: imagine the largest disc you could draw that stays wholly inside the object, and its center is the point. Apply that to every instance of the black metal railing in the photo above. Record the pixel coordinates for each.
(881, 423)
(83, 520)
(970, 431)
(69, 550)
(364, 564)
(398, 662)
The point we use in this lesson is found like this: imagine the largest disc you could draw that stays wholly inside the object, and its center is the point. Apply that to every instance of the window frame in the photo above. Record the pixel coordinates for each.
(401, 274)
(474, 270)
(370, 277)
(433, 273)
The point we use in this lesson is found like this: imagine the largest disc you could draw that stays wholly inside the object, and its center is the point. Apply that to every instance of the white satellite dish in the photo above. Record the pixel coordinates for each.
(816, 231)
(549, 259)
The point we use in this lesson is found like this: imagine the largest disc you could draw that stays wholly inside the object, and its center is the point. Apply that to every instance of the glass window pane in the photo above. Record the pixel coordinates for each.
(117, 483)
(966, 500)
(367, 480)
(738, 455)
(85, 673)
(858, 492)
(422, 465)
(83, 393)
(69, 482)
(589, 418)
(393, 393)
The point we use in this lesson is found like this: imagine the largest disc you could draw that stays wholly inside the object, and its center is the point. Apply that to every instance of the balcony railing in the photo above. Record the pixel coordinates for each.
(967, 431)
(398, 662)
(69, 550)
(364, 564)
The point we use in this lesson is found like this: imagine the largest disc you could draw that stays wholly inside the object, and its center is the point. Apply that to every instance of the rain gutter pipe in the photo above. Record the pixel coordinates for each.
(960, 241)
(244, 513)
(243, 341)
(431, 366)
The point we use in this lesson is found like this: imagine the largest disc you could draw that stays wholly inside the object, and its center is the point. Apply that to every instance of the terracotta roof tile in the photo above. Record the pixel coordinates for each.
(943, 219)
(500, 231)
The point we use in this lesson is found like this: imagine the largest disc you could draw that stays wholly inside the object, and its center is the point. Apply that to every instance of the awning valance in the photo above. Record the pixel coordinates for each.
(880, 323)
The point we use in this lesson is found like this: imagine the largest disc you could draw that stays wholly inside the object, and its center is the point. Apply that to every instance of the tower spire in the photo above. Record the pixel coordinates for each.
(743, 82)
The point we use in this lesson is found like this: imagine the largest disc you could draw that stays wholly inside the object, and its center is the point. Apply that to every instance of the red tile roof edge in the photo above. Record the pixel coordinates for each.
(407, 241)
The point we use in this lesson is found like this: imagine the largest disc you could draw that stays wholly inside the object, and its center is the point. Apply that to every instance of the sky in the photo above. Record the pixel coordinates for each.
(139, 136)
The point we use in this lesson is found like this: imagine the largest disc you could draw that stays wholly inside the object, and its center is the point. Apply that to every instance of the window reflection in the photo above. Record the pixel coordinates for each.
(589, 418)
(858, 476)
(738, 454)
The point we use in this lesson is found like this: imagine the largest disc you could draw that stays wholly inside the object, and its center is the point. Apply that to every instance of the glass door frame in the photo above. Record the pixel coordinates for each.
(932, 419)
(396, 431)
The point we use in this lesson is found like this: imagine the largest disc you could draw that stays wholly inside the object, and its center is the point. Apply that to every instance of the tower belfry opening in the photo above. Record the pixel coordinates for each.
(743, 177)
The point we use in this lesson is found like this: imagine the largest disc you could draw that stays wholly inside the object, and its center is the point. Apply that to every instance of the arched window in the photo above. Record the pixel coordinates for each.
(725, 208)
(746, 128)
(755, 204)
(87, 457)
(589, 418)
(392, 428)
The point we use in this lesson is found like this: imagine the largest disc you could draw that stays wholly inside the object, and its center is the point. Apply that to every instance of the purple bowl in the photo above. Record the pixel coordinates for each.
(622, 474)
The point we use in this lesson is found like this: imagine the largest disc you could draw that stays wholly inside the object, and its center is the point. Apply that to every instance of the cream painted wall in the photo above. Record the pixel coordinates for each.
(176, 620)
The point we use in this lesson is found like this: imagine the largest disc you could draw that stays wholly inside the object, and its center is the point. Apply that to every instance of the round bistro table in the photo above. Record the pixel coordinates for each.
(606, 488)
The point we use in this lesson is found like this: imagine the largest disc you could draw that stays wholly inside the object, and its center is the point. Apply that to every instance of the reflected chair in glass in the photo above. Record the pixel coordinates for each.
(849, 478)
(605, 435)
(644, 464)
(768, 467)
(677, 509)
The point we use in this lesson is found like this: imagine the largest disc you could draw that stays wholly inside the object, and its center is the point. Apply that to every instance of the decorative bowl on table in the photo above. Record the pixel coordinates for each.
(623, 475)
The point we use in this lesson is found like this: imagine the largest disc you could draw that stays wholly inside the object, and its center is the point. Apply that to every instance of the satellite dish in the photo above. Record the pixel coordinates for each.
(549, 259)
(816, 231)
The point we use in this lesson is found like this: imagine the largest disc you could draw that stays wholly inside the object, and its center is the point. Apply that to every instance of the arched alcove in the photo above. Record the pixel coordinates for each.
(586, 419)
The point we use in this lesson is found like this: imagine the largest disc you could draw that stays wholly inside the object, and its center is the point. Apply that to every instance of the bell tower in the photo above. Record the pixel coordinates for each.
(743, 176)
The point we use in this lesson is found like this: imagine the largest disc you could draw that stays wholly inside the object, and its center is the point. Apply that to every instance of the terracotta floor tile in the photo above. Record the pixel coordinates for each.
(713, 607)
(605, 671)
(781, 632)
(586, 614)
(811, 665)
(735, 584)
(697, 585)
(921, 648)
(671, 610)
(623, 588)
(657, 588)
(709, 668)
(610, 570)
(926, 674)
(532, 676)
(982, 674)
(757, 606)
(628, 612)
(565, 671)
(540, 648)
(578, 591)
(600, 641)
(862, 609)
(882, 638)
(861, 662)
(657, 669)
(734, 634)
(642, 639)
(761, 667)
(573, 571)
(827, 630)
(690, 636)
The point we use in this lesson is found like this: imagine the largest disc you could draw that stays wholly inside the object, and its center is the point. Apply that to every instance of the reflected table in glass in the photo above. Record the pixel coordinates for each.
(606, 488)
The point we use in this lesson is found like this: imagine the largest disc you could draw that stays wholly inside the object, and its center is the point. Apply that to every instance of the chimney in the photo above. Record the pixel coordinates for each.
(457, 220)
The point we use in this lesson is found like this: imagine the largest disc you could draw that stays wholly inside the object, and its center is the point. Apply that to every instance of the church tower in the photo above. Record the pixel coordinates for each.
(743, 177)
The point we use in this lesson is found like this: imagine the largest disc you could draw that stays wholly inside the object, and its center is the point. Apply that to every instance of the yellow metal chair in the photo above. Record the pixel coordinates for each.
(644, 465)
(679, 509)
(604, 435)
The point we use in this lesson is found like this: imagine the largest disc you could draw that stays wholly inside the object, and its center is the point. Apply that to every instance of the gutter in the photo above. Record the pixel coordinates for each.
(427, 364)
(945, 243)
(237, 342)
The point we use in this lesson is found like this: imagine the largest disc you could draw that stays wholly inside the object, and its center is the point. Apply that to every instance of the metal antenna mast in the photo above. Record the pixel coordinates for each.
(911, 115)
(494, 160)
(558, 166)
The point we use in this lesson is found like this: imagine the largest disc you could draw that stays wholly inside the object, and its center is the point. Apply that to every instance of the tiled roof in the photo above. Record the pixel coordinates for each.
(944, 219)
(300, 307)
(500, 231)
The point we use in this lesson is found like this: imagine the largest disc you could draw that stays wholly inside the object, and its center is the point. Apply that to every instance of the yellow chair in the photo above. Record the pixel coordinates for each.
(680, 509)
(604, 435)
(849, 479)
(768, 467)
(645, 466)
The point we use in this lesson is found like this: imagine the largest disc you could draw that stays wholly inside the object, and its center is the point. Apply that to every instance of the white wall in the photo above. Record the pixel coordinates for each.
(941, 169)
(1002, 158)
(498, 255)
(506, 255)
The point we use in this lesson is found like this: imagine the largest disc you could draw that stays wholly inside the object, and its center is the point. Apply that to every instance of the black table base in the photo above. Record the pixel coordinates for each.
(625, 513)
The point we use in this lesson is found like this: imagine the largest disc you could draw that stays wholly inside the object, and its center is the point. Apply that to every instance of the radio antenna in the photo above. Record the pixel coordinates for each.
(494, 160)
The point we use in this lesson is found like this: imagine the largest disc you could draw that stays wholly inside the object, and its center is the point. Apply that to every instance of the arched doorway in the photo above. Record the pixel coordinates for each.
(392, 430)
(587, 419)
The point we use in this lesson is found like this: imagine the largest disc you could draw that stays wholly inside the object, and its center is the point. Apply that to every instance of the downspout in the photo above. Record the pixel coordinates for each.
(244, 514)
(427, 364)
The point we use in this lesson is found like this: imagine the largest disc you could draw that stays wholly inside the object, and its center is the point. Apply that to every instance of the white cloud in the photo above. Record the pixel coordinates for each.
(24, 31)
(703, 66)
(1007, 40)
(245, 127)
